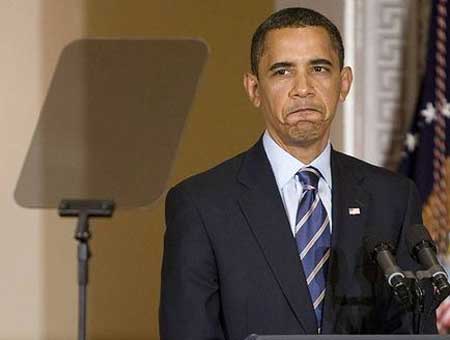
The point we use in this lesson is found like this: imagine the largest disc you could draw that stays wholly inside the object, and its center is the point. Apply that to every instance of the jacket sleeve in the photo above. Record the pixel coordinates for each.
(190, 299)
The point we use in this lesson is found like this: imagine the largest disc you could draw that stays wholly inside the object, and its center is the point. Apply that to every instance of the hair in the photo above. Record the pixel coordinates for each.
(294, 17)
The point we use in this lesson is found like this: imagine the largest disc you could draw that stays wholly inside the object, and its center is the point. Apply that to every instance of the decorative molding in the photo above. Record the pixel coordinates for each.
(387, 87)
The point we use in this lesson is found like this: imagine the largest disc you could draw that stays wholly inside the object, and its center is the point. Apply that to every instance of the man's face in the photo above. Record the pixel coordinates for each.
(299, 85)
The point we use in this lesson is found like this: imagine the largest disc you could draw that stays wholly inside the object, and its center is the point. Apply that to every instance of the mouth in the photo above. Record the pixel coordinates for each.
(306, 114)
(303, 110)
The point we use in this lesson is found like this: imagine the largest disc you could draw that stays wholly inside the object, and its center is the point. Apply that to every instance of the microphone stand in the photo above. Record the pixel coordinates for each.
(419, 304)
(439, 294)
(412, 298)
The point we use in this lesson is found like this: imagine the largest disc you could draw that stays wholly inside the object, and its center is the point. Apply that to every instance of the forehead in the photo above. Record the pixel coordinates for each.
(301, 44)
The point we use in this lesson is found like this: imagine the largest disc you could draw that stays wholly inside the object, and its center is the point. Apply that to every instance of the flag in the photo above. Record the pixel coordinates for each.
(426, 153)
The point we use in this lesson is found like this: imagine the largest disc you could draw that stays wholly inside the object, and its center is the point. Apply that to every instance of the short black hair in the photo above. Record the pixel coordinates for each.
(293, 17)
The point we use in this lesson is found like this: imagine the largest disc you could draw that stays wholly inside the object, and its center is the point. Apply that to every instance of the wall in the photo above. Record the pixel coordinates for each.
(29, 52)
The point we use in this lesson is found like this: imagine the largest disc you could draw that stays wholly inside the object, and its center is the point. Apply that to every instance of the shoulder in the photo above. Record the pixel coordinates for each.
(391, 199)
(387, 189)
(216, 181)
(368, 172)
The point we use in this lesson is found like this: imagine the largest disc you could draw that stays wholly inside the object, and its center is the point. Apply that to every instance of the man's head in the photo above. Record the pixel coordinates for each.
(294, 17)
(299, 80)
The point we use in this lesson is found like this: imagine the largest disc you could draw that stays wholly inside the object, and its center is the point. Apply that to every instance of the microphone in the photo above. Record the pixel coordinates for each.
(423, 250)
(381, 252)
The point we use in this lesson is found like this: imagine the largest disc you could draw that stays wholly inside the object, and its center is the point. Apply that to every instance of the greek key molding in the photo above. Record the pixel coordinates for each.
(388, 87)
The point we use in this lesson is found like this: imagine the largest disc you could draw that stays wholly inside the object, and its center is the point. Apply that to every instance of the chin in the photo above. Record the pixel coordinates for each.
(304, 140)
(304, 136)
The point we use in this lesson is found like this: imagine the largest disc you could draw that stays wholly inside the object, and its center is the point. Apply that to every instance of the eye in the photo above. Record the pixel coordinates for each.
(320, 69)
(281, 72)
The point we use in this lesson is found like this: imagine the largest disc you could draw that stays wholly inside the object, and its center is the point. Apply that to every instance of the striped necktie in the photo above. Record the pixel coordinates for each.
(313, 238)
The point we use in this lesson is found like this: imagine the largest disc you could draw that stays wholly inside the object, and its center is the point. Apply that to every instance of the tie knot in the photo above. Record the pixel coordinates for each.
(309, 177)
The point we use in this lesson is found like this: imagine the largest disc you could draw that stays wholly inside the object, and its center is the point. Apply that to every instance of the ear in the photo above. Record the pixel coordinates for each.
(346, 82)
(251, 85)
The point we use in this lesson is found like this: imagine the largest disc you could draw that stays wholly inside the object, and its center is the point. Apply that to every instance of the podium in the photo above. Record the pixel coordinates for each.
(348, 337)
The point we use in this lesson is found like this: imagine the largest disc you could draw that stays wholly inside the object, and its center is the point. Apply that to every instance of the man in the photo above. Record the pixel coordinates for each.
(271, 241)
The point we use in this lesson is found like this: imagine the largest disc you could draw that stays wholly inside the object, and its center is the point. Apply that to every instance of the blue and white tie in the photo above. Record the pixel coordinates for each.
(313, 238)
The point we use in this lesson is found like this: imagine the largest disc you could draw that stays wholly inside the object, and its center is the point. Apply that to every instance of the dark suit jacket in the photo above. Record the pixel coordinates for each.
(231, 268)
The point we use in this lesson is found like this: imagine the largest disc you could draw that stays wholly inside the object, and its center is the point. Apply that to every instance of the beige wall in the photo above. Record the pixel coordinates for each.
(37, 257)
(29, 51)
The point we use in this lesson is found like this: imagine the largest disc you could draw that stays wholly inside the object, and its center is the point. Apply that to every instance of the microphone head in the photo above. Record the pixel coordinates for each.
(373, 245)
(418, 237)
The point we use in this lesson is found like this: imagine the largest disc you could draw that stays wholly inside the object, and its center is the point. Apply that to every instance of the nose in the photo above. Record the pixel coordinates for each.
(302, 85)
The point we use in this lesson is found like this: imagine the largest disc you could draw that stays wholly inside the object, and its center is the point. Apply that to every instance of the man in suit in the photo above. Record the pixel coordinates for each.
(271, 241)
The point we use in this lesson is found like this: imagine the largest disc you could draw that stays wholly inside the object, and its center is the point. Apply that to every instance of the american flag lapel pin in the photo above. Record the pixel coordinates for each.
(354, 211)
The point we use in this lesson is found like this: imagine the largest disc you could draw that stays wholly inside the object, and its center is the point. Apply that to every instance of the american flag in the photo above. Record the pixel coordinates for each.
(426, 154)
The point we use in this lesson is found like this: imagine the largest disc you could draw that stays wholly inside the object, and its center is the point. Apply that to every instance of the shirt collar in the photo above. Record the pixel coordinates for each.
(285, 166)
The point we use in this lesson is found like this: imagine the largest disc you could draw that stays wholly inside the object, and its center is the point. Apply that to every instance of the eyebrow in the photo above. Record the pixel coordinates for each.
(286, 64)
(321, 61)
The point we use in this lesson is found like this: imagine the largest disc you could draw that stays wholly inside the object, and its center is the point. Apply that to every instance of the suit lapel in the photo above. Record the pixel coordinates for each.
(349, 209)
(263, 208)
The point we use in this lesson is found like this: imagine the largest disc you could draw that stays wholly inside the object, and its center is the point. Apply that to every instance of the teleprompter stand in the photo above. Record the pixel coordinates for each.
(84, 210)
(109, 128)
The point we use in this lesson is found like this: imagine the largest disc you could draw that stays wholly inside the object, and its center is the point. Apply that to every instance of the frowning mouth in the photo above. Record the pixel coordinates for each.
(306, 114)
(303, 110)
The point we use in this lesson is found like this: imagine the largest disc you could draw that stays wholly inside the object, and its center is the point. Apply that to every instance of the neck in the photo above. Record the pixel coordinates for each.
(305, 153)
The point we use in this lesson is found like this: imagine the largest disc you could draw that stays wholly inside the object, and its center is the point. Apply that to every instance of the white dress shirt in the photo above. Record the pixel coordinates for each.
(285, 166)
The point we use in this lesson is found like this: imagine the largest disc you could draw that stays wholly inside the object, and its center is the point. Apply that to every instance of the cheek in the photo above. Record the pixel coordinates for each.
(276, 99)
(330, 94)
